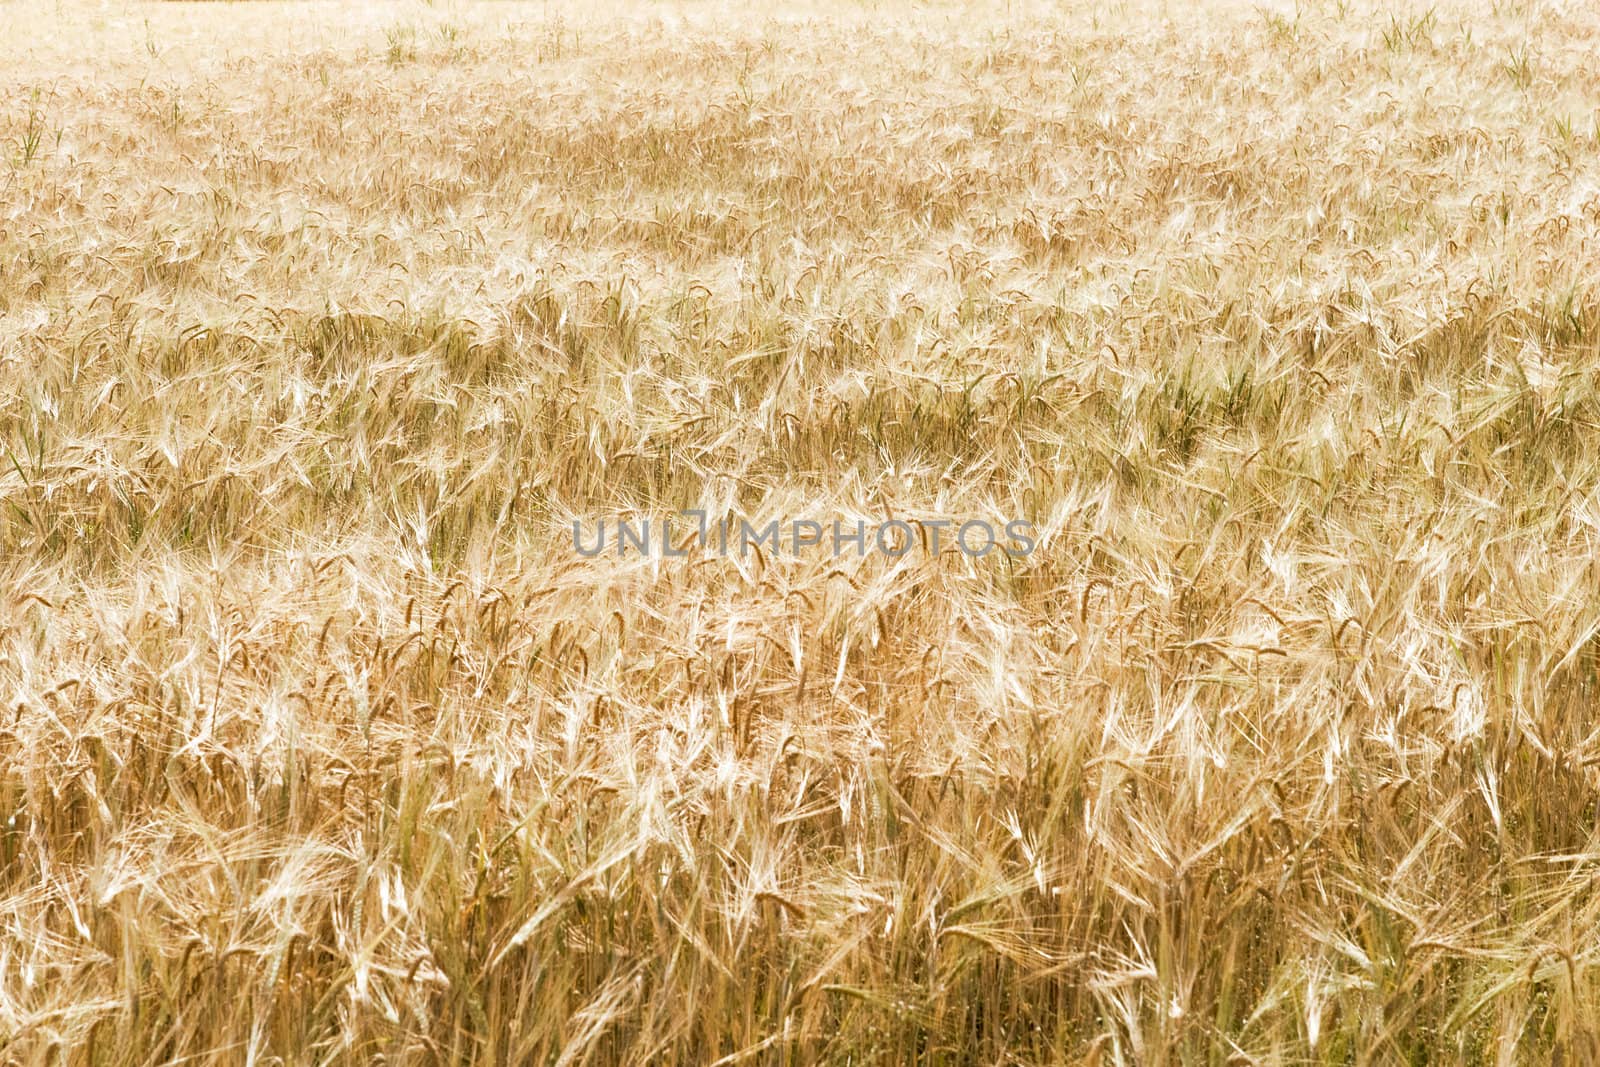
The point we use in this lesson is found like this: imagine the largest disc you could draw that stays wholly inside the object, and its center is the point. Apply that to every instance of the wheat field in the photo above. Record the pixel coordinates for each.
(324, 328)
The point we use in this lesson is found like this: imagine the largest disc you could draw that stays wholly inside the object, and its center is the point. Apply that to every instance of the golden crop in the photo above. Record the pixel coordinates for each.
(321, 323)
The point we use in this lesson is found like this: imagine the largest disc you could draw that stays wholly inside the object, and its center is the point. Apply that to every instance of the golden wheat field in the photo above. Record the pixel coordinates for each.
(325, 330)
